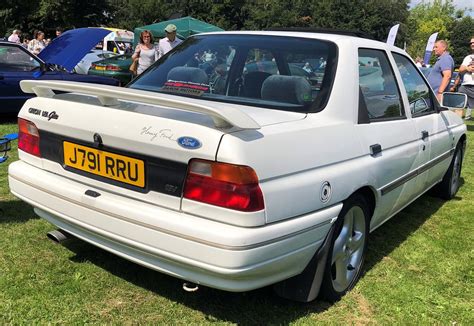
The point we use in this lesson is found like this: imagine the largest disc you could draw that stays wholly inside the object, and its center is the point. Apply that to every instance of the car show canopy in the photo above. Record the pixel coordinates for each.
(186, 26)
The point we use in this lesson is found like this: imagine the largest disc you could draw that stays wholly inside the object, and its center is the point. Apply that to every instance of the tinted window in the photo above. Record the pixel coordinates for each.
(267, 71)
(379, 90)
(15, 59)
(417, 90)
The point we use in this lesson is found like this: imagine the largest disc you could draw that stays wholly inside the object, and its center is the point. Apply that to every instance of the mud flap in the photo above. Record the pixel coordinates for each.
(305, 286)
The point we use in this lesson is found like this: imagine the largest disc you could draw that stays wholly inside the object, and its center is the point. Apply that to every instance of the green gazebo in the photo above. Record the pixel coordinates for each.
(186, 26)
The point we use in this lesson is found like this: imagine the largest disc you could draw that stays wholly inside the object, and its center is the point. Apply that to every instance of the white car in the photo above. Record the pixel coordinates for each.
(238, 179)
(93, 56)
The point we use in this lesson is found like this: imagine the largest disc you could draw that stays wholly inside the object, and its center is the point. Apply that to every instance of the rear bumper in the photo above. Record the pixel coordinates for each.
(203, 251)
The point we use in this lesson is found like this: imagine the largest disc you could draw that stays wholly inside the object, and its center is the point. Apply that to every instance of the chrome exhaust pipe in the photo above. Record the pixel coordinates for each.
(58, 236)
(190, 287)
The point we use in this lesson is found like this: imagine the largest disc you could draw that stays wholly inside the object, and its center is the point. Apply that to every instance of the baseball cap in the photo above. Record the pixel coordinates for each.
(170, 28)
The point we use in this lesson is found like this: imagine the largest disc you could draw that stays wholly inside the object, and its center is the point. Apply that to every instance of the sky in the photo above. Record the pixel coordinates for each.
(467, 5)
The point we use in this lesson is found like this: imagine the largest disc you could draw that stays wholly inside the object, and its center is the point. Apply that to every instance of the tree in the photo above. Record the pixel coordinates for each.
(372, 17)
(16, 14)
(426, 19)
(72, 13)
(462, 32)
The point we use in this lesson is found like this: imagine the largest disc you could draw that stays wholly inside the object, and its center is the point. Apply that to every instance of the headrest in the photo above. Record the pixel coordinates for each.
(188, 74)
(288, 89)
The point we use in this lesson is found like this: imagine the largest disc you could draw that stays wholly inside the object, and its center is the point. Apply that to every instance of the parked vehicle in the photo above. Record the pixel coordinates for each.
(93, 56)
(117, 40)
(116, 67)
(17, 64)
(233, 191)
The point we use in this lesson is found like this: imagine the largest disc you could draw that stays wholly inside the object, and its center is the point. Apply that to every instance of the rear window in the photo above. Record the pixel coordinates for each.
(285, 73)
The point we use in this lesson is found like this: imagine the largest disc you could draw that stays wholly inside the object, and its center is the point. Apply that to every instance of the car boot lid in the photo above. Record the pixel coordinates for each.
(71, 46)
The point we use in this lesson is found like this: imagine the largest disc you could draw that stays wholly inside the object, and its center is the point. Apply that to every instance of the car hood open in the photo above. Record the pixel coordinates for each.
(71, 46)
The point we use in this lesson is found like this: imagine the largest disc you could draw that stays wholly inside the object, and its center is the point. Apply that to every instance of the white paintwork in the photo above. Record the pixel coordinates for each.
(110, 96)
(293, 154)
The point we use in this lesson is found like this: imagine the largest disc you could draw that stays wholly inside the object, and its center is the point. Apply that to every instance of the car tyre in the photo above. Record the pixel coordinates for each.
(449, 186)
(348, 249)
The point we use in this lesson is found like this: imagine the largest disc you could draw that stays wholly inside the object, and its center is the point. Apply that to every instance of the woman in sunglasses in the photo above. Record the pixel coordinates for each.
(146, 53)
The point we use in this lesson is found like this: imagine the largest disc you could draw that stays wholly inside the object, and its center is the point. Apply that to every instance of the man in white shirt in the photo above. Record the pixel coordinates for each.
(169, 42)
(15, 37)
(466, 73)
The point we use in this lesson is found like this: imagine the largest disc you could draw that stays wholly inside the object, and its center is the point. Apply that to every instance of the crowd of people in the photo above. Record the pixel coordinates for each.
(35, 45)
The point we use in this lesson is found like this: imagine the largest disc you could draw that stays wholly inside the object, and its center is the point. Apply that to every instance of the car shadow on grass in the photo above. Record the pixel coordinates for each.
(16, 211)
(259, 306)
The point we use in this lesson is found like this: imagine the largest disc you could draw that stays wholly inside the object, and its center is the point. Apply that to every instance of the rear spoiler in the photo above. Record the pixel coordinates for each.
(223, 117)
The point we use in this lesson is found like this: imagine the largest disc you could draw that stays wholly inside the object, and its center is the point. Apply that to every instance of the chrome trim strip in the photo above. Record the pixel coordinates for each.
(392, 186)
(177, 234)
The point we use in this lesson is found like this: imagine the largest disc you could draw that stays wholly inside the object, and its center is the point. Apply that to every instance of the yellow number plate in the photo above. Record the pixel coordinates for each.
(99, 68)
(112, 166)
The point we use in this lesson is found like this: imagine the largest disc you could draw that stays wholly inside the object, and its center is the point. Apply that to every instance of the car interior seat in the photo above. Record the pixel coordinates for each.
(188, 74)
(253, 82)
(288, 89)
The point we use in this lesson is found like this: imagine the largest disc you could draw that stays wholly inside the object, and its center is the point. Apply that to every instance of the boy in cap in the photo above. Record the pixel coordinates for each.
(169, 42)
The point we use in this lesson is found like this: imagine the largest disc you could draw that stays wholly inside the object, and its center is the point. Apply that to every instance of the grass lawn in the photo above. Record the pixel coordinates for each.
(419, 270)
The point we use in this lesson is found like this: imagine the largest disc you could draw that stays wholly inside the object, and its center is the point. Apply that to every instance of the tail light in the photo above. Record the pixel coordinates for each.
(225, 185)
(112, 68)
(28, 137)
(93, 65)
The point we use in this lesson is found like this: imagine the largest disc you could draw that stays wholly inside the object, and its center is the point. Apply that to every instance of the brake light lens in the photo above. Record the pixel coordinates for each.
(112, 68)
(225, 185)
(28, 137)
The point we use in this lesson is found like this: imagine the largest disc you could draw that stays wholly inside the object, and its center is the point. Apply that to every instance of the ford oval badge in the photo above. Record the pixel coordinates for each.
(189, 142)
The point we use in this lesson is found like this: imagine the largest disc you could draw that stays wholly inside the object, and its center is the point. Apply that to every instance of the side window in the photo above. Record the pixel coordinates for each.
(378, 87)
(418, 91)
(15, 59)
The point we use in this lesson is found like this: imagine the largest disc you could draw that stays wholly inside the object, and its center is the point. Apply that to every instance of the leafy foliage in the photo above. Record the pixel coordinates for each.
(428, 18)
(462, 32)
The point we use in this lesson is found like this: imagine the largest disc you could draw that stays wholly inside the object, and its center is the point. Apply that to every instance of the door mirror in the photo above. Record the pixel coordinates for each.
(454, 100)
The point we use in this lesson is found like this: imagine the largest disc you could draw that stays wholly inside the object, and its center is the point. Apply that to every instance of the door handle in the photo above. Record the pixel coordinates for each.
(424, 135)
(375, 149)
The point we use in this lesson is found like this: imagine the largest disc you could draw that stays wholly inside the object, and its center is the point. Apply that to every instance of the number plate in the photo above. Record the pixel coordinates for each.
(99, 67)
(112, 166)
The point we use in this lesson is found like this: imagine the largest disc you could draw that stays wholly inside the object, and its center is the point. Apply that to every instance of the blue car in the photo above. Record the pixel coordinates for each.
(55, 62)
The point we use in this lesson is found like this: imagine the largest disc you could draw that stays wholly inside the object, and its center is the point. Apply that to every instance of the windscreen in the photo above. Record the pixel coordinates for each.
(276, 72)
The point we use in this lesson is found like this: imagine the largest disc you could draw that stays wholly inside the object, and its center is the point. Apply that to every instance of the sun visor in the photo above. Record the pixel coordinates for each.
(71, 46)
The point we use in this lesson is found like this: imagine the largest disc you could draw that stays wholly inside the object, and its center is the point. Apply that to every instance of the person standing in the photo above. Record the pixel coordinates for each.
(169, 42)
(145, 52)
(466, 73)
(37, 44)
(440, 75)
(59, 31)
(15, 37)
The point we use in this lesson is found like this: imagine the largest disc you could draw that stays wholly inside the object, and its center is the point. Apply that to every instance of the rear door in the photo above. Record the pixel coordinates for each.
(431, 127)
(386, 133)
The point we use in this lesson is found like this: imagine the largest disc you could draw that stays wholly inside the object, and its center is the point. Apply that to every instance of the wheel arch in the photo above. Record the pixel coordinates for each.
(369, 194)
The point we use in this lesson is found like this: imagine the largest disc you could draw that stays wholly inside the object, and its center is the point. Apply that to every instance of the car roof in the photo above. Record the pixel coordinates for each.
(335, 37)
